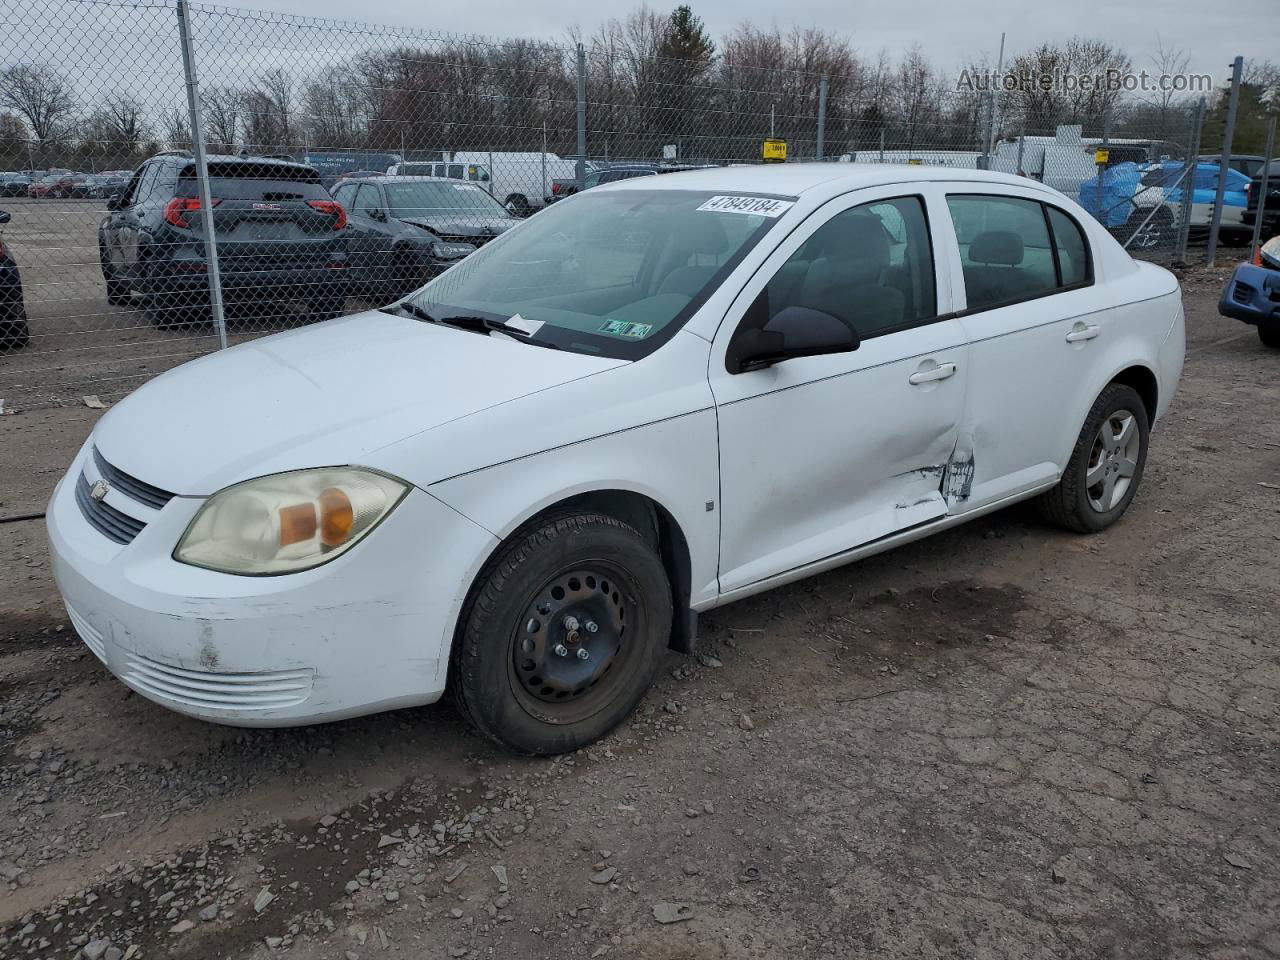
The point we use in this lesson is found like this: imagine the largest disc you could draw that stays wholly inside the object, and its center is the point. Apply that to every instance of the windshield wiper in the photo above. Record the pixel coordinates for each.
(473, 322)
(411, 308)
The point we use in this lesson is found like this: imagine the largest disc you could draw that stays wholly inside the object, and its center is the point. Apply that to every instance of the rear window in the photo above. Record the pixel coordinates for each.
(256, 181)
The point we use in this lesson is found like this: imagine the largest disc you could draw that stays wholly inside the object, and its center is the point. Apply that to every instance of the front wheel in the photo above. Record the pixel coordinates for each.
(1269, 334)
(562, 634)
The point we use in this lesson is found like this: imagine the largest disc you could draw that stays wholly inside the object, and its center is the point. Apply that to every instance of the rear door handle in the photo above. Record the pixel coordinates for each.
(1080, 332)
(941, 372)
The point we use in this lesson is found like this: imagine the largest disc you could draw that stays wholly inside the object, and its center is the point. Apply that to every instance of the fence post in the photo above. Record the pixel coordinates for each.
(1106, 140)
(581, 170)
(1215, 224)
(822, 115)
(1188, 184)
(202, 173)
(1265, 186)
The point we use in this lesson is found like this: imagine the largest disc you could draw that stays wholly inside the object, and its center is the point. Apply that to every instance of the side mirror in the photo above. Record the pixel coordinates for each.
(113, 202)
(4, 216)
(792, 332)
(378, 215)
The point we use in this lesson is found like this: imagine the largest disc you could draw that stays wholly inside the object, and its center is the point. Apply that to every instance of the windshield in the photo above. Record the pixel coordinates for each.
(609, 272)
(433, 199)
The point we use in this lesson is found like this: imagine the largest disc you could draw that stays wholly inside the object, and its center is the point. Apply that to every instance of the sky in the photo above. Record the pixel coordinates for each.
(949, 33)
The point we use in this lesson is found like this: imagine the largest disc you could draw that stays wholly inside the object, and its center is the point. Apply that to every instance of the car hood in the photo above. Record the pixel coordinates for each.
(465, 226)
(324, 395)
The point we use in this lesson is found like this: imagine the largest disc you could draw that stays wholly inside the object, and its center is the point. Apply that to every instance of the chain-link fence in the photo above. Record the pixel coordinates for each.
(348, 163)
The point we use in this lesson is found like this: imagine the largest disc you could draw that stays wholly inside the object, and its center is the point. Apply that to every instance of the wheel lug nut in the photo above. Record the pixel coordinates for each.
(582, 654)
(570, 622)
(560, 650)
(592, 626)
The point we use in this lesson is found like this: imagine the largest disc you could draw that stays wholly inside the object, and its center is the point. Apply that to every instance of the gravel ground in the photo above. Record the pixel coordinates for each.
(1004, 741)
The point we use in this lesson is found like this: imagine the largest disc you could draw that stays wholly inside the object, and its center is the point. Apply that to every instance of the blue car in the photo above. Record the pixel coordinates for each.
(1253, 294)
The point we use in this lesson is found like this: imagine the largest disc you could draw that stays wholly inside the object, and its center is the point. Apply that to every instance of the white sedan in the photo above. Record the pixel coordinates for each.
(523, 482)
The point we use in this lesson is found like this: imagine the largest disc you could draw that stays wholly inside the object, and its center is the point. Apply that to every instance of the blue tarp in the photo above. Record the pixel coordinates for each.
(1119, 184)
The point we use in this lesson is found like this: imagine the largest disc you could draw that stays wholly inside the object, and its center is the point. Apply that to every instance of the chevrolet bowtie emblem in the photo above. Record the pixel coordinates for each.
(98, 492)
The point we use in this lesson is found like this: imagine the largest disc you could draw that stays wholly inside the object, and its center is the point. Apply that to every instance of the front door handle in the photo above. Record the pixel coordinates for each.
(941, 372)
(1080, 333)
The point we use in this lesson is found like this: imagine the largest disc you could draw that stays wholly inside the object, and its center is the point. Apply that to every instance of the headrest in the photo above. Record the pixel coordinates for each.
(996, 246)
(856, 237)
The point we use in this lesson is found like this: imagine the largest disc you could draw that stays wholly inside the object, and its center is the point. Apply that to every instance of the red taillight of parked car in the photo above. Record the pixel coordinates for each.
(330, 208)
(176, 209)
(556, 188)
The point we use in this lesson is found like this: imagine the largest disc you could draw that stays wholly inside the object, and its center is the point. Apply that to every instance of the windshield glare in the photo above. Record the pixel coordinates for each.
(609, 272)
(429, 198)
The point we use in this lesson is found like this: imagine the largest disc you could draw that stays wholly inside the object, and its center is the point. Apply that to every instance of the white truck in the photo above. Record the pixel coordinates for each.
(520, 181)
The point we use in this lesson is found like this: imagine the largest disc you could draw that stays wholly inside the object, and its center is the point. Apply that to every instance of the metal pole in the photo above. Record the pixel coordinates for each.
(1022, 139)
(1106, 131)
(822, 114)
(771, 121)
(989, 143)
(1262, 193)
(1211, 249)
(202, 173)
(882, 144)
(1188, 182)
(581, 170)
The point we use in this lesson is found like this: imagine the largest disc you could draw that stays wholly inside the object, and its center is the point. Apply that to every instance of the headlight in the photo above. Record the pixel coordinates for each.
(451, 251)
(288, 522)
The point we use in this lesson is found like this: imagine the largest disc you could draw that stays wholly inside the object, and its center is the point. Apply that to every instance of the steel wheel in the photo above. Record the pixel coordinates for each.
(1113, 461)
(569, 640)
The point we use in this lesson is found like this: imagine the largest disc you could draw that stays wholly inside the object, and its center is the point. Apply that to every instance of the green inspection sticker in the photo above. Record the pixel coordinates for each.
(625, 328)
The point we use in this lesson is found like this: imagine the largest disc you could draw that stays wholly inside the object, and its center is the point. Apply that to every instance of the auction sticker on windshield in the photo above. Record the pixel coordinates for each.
(757, 206)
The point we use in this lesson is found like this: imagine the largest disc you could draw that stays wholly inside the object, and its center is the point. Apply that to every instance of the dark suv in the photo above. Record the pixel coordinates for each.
(1270, 207)
(280, 236)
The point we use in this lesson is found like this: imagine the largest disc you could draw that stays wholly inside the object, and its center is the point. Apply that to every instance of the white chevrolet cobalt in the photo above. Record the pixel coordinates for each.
(524, 481)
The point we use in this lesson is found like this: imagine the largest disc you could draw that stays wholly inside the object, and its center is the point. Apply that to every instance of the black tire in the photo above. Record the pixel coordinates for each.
(603, 570)
(118, 292)
(408, 273)
(1269, 334)
(1073, 503)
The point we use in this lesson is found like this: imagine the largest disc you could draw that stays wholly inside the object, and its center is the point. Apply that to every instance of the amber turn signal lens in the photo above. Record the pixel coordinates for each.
(336, 517)
(297, 523)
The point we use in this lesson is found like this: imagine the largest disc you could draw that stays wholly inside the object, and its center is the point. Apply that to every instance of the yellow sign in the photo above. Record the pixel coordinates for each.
(915, 161)
(773, 151)
(1101, 155)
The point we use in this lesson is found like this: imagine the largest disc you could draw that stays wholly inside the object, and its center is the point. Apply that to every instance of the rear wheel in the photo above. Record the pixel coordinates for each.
(1269, 334)
(1156, 234)
(408, 273)
(1106, 464)
(562, 634)
(118, 294)
(518, 205)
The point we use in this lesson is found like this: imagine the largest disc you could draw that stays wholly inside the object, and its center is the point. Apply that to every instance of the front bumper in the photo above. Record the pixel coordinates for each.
(369, 631)
(1252, 295)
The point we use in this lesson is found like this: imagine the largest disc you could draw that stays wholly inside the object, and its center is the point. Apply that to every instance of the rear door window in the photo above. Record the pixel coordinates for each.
(1005, 250)
(256, 181)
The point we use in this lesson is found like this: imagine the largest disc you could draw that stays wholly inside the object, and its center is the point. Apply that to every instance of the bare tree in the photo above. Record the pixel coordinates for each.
(221, 117)
(40, 95)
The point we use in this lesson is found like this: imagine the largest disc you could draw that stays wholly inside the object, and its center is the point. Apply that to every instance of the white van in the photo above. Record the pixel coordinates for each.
(520, 181)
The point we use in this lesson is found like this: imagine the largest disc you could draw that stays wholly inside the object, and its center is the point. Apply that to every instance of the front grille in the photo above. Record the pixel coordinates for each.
(1242, 293)
(109, 521)
(476, 240)
(228, 691)
(131, 486)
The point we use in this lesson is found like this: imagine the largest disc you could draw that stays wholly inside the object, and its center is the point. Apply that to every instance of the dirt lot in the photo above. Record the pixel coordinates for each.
(1001, 742)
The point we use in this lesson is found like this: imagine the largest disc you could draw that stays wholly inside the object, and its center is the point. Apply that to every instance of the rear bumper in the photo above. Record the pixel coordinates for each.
(1252, 295)
(297, 284)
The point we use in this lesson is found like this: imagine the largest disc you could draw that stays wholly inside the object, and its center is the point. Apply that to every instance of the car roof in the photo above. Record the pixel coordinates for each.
(794, 179)
(391, 178)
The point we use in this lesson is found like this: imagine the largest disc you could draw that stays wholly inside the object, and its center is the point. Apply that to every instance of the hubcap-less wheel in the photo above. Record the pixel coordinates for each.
(572, 635)
(1113, 461)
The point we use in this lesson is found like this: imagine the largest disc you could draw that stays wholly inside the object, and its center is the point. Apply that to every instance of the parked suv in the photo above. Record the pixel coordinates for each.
(1270, 207)
(280, 236)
